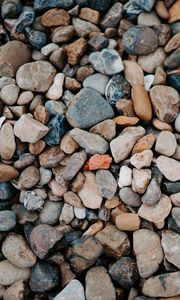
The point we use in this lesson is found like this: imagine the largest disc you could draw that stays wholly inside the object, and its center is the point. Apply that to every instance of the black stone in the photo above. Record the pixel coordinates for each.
(7, 190)
(174, 81)
(175, 28)
(82, 3)
(68, 239)
(44, 277)
(37, 39)
(101, 5)
(46, 4)
(26, 18)
(169, 187)
(98, 42)
(5, 205)
(57, 129)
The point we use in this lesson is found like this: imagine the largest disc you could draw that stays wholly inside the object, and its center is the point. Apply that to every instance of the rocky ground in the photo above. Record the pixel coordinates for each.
(90, 150)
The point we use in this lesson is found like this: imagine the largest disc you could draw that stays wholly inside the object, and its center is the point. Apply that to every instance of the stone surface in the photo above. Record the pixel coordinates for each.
(162, 146)
(55, 17)
(148, 19)
(167, 166)
(51, 157)
(148, 251)
(106, 129)
(15, 291)
(9, 94)
(129, 197)
(28, 178)
(106, 183)
(46, 4)
(125, 176)
(32, 201)
(152, 194)
(133, 73)
(7, 220)
(57, 128)
(62, 34)
(174, 12)
(151, 61)
(91, 82)
(35, 76)
(170, 243)
(165, 101)
(141, 103)
(114, 241)
(90, 15)
(9, 274)
(144, 143)
(83, 28)
(76, 50)
(141, 179)
(142, 159)
(98, 161)
(76, 162)
(88, 108)
(128, 222)
(117, 88)
(99, 284)
(7, 173)
(74, 290)
(112, 17)
(17, 251)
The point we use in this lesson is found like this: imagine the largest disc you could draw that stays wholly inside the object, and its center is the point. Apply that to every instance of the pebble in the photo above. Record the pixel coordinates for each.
(167, 166)
(67, 214)
(170, 241)
(123, 144)
(129, 197)
(126, 121)
(173, 43)
(90, 15)
(55, 17)
(174, 12)
(177, 123)
(62, 34)
(108, 61)
(161, 125)
(25, 98)
(144, 5)
(148, 82)
(6, 81)
(152, 194)
(142, 159)
(80, 213)
(73, 199)
(106, 129)
(56, 89)
(68, 145)
(17, 251)
(84, 253)
(26, 18)
(11, 9)
(44, 277)
(88, 108)
(133, 73)
(148, 19)
(28, 178)
(172, 61)
(76, 50)
(83, 28)
(98, 161)
(35, 76)
(162, 146)
(9, 273)
(117, 88)
(124, 272)
(49, 48)
(125, 177)
(7, 173)
(141, 179)
(89, 193)
(141, 103)
(7, 220)
(112, 17)
(148, 250)
(7, 145)
(175, 215)
(135, 40)
(9, 94)
(42, 5)
(37, 39)
(99, 284)
(32, 201)
(165, 101)
(128, 222)
(106, 183)
(164, 285)
(33, 129)
(57, 128)
(163, 33)
(91, 142)
(50, 212)
(51, 157)
(7, 190)
(23, 215)
(55, 108)
(175, 198)
(24, 160)
(73, 291)
(91, 82)
(173, 81)
(15, 291)
(158, 212)
(17, 54)
(125, 107)
(150, 62)
(159, 76)
(101, 6)
(75, 163)
(161, 10)
(42, 238)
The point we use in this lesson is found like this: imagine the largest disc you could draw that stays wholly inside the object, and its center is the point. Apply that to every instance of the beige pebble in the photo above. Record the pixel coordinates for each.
(142, 159)
(173, 43)
(128, 222)
(133, 73)
(141, 179)
(141, 103)
(9, 94)
(94, 228)
(56, 89)
(145, 143)
(7, 172)
(10, 274)
(37, 148)
(126, 121)
(17, 291)
(25, 98)
(166, 143)
(68, 145)
(159, 76)
(7, 142)
(151, 61)
(174, 12)
(161, 125)
(112, 203)
(161, 10)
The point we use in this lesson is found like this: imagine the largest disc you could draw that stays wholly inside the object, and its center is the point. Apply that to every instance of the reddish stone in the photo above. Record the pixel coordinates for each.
(55, 17)
(98, 161)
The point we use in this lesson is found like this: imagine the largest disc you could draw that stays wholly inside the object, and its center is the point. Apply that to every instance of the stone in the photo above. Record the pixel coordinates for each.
(158, 212)
(57, 128)
(126, 121)
(106, 129)
(32, 131)
(32, 201)
(162, 146)
(174, 12)
(170, 243)
(87, 109)
(56, 89)
(161, 10)
(173, 61)
(58, 58)
(159, 76)
(28, 178)
(148, 250)
(165, 101)
(93, 229)
(72, 199)
(51, 157)
(11, 9)
(151, 61)
(144, 5)
(25, 98)
(37, 39)
(148, 19)
(6, 81)
(76, 50)
(98, 42)
(173, 43)
(123, 144)
(141, 179)
(84, 28)
(163, 33)
(55, 17)
(142, 159)
(73, 290)
(125, 176)
(117, 88)
(78, 182)
(68, 145)
(80, 213)
(7, 220)
(167, 166)
(135, 40)
(9, 94)
(24, 160)
(26, 18)
(148, 82)
(42, 238)
(90, 15)
(133, 73)
(175, 198)
(125, 107)
(141, 103)
(106, 183)
(124, 272)
(66, 215)
(175, 215)
(55, 108)
(112, 17)
(15, 291)
(101, 6)
(114, 241)
(23, 215)
(49, 48)
(7, 190)
(128, 222)
(152, 194)
(7, 145)
(35, 76)
(99, 284)
(98, 161)
(164, 285)
(108, 61)
(62, 34)
(17, 251)
(9, 273)
(89, 193)
(177, 123)
(161, 125)
(7, 173)
(41, 114)
(91, 82)
(91, 142)
(44, 277)
(57, 189)
(50, 212)
(145, 143)
(16, 54)
(129, 197)
(46, 4)
(75, 163)
(84, 253)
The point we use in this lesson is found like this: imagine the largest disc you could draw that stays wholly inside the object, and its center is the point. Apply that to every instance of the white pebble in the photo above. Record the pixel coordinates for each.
(80, 213)
(48, 49)
(148, 81)
(2, 119)
(37, 55)
(125, 176)
(56, 89)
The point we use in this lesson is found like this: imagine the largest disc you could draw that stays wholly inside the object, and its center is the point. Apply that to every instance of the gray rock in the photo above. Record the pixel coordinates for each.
(113, 16)
(50, 212)
(75, 163)
(91, 82)
(176, 215)
(152, 194)
(55, 108)
(7, 220)
(117, 88)
(170, 243)
(73, 291)
(88, 108)
(129, 197)
(106, 183)
(83, 28)
(32, 201)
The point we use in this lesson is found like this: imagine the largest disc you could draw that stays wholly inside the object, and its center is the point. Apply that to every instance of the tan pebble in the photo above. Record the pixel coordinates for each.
(142, 159)
(112, 203)
(125, 107)
(78, 182)
(174, 12)
(151, 61)
(133, 73)
(25, 98)
(72, 199)
(56, 89)
(51, 157)
(84, 72)
(68, 145)
(161, 10)
(145, 143)
(7, 142)
(94, 228)
(90, 15)
(18, 111)
(173, 43)
(176, 154)
(128, 222)
(37, 148)
(10, 274)
(38, 100)
(120, 209)
(7, 113)
(175, 198)
(161, 125)
(17, 291)
(106, 129)
(76, 50)
(41, 114)
(57, 189)
(126, 121)
(7, 173)
(72, 84)
(141, 102)
(159, 76)
(28, 178)
(55, 17)
(141, 179)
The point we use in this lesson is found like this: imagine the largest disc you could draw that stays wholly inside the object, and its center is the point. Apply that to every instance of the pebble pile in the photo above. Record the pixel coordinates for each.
(90, 150)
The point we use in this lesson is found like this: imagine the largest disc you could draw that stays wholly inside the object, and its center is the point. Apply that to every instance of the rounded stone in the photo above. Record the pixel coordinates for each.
(129, 197)
(9, 94)
(128, 222)
(7, 190)
(151, 61)
(162, 146)
(91, 82)
(7, 173)
(9, 273)
(7, 145)
(7, 220)
(141, 103)
(28, 178)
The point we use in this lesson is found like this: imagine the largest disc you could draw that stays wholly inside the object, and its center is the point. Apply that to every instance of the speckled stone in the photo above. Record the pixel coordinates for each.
(57, 129)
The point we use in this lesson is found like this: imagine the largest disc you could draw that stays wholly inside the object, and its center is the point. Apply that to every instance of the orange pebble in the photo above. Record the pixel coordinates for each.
(98, 161)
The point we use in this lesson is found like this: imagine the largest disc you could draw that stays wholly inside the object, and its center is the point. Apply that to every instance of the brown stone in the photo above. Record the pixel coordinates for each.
(7, 173)
(28, 178)
(16, 291)
(55, 17)
(128, 222)
(151, 61)
(106, 129)
(51, 157)
(140, 180)
(68, 145)
(41, 114)
(84, 72)
(173, 43)
(78, 182)
(72, 84)
(159, 76)
(58, 58)
(75, 163)
(62, 34)
(141, 103)
(76, 50)
(7, 144)
(133, 73)
(161, 125)
(161, 10)
(90, 15)
(145, 143)
(125, 107)
(72, 199)
(37, 148)
(126, 121)
(174, 12)
(93, 229)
